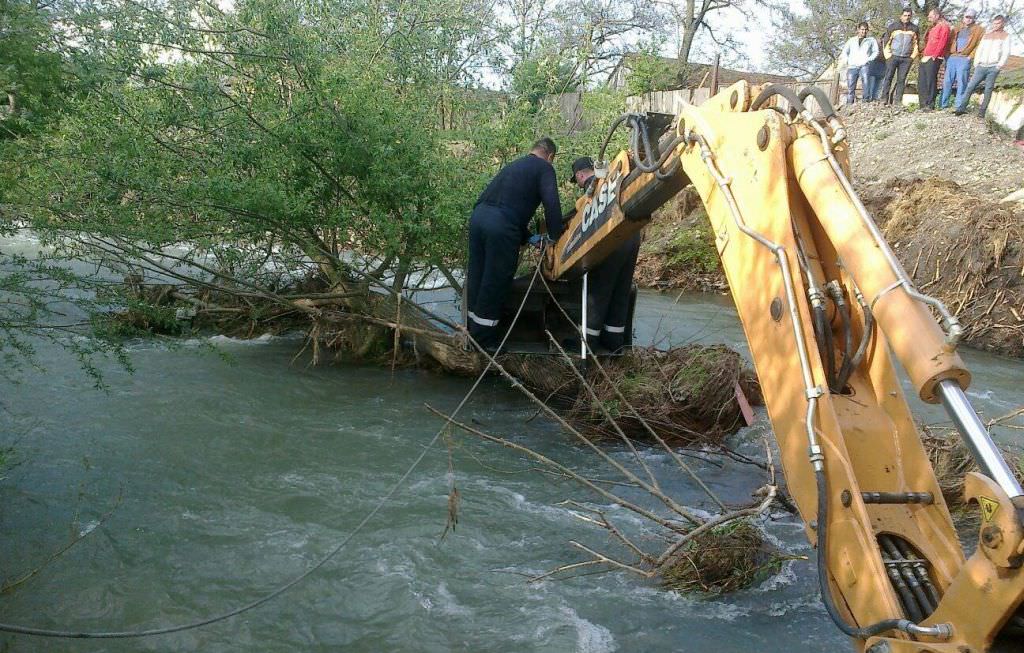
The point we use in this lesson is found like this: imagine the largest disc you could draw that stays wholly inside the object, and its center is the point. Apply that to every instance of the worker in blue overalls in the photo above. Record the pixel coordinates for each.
(610, 283)
(499, 226)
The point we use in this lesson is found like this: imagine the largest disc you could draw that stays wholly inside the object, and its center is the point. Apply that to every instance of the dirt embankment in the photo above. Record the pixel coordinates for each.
(678, 251)
(889, 144)
(934, 182)
(964, 250)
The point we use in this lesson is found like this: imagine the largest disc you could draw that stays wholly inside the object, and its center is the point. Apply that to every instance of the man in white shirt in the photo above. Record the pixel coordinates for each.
(858, 52)
(989, 58)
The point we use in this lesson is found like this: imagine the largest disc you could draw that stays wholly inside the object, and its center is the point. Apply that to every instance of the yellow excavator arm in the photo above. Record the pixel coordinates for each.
(815, 283)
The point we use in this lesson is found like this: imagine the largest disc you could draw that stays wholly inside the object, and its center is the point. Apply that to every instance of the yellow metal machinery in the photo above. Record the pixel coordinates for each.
(814, 283)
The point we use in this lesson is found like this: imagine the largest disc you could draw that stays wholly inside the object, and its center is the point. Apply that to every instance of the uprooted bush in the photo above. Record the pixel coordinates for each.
(724, 559)
(687, 395)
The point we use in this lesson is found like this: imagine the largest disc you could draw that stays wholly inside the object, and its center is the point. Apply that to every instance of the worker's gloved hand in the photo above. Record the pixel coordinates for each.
(536, 240)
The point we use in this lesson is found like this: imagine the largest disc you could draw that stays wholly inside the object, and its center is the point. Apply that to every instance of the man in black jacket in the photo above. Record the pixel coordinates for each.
(900, 45)
(609, 284)
(500, 224)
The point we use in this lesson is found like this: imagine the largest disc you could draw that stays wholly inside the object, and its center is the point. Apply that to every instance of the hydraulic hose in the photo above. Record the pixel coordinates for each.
(640, 141)
(823, 334)
(823, 586)
(858, 356)
(822, 99)
(938, 631)
(611, 131)
(795, 103)
(844, 315)
(919, 606)
(932, 602)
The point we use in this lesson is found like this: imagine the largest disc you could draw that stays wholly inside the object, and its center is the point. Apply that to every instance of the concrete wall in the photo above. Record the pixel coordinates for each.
(1008, 110)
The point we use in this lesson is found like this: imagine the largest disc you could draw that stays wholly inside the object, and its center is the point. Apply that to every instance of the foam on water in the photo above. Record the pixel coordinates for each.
(784, 577)
(590, 637)
(449, 604)
(264, 339)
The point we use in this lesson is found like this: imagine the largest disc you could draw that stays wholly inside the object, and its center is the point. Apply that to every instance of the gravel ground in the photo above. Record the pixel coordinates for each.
(887, 144)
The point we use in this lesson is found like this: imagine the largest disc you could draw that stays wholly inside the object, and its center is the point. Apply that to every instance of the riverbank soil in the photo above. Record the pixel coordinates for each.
(888, 144)
(963, 249)
(678, 251)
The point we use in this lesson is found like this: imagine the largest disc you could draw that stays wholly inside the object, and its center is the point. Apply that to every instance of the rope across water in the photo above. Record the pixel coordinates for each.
(281, 589)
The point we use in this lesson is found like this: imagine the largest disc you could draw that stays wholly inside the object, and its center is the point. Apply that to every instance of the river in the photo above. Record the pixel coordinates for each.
(241, 467)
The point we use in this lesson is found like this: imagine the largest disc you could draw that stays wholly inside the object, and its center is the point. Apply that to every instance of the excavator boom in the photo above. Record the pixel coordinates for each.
(826, 307)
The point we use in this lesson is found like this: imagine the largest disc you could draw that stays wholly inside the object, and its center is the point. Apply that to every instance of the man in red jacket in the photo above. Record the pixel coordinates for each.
(936, 47)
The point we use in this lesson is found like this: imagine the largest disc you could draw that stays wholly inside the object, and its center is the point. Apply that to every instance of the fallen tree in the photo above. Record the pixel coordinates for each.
(290, 174)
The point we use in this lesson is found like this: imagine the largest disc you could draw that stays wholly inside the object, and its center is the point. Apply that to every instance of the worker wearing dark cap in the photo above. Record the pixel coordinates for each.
(499, 226)
(609, 284)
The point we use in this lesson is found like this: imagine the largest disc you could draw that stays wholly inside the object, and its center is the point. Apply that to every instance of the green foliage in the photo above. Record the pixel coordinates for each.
(31, 76)
(809, 39)
(239, 151)
(281, 149)
(137, 319)
(694, 248)
(42, 300)
(536, 77)
(649, 72)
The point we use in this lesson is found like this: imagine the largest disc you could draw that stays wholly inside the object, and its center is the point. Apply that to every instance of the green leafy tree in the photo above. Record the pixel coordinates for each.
(31, 66)
(810, 37)
(650, 72)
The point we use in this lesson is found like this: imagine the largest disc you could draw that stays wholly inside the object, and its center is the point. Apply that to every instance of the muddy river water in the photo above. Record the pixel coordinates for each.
(240, 467)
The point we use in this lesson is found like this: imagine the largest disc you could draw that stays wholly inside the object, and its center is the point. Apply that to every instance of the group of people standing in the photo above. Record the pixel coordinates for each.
(882, 68)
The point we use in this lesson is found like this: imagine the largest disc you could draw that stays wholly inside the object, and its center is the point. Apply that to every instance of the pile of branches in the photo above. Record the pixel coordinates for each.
(951, 460)
(686, 395)
(722, 560)
(728, 547)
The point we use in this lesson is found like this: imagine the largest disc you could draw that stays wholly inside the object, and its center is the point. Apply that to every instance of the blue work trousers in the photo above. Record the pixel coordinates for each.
(853, 74)
(873, 81)
(958, 70)
(494, 241)
(982, 75)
